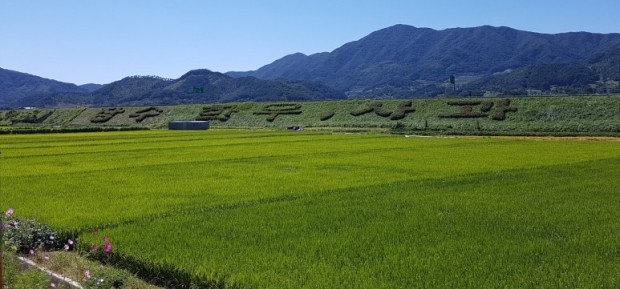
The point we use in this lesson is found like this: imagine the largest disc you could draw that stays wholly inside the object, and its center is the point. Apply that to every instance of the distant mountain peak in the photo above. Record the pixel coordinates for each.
(410, 54)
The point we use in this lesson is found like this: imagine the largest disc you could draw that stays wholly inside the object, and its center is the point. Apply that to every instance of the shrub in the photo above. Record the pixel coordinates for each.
(502, 108)
(142, 114)
(26, 235)
(27, 116)
(466, 111)
(327, 115)
(273, 110)
(365, 110)
(106, 114)
(486, 106)
(382, 112)
(402, 110)
(217, 112)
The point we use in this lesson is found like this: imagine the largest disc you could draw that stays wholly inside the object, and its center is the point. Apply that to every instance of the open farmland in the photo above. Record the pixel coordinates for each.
(265, 209)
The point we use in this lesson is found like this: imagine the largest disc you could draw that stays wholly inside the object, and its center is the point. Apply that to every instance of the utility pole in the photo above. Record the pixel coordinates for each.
(453, 82)
(618, 76)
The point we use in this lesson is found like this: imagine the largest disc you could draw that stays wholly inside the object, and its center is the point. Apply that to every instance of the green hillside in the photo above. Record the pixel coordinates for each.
(517, 116)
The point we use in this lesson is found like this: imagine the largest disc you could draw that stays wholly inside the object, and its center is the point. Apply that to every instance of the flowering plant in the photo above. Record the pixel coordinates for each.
(26, 235)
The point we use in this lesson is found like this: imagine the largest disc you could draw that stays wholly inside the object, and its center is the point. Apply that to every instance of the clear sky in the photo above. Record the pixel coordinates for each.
(100, 41)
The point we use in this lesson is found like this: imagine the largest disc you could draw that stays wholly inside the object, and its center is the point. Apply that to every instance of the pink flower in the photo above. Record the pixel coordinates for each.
(70, 242)
(106, 240)
(66, 247)
(9, 212)
(53, 285)
(95, 247)
(31, 252)
(87, 274)
(107, 248)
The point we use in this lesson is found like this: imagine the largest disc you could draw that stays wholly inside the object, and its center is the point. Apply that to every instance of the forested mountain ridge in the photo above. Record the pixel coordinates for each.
(396, 62)
(411, 57)
(16, 85)
(205, 86)
(196, 86)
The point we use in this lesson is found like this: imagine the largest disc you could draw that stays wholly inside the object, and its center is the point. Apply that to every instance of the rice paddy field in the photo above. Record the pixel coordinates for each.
(272, 209)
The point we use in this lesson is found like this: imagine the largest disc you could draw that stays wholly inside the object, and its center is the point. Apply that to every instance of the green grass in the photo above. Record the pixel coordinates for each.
(266, 209)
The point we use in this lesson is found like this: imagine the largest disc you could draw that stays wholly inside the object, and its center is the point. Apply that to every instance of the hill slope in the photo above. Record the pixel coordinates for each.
(21, 89)
(596, 115)
(204, 86)
(197, 86)
(409, 54)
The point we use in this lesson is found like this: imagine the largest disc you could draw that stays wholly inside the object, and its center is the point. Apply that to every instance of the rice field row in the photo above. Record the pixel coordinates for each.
(264, 209)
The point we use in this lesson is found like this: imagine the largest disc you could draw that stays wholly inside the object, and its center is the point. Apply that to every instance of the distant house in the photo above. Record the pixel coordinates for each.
(188, 125)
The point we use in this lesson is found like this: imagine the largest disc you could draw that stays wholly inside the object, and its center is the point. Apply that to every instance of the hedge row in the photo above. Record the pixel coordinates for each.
(26, 117)
(327, 115)
(401, 111)
(142, 114)
(274, 110)
(467, 109)
(501, 109)
(217, 112)
(106, 114)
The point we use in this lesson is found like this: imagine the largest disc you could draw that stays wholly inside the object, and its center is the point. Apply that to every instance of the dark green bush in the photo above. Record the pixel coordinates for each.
(106, 114)
(28, 235)
(274, 110)
(402, 110)
(486, 106)
(217, 112)
(142, 114)
(503, 106)
(327, 115)
(382, 112)
(365, 110)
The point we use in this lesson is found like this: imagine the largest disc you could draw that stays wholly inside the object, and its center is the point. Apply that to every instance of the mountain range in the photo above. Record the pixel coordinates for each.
(407, 57)
(398, 61)
(197, 86)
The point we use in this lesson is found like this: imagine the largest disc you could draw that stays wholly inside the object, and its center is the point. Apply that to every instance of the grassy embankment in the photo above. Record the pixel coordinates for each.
(531, 116)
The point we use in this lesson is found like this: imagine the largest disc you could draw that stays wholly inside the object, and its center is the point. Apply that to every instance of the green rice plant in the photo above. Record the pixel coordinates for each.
(491, 228)
(273, 209)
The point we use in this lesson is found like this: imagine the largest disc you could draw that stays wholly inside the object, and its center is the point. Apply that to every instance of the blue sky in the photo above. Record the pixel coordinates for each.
(82, 41)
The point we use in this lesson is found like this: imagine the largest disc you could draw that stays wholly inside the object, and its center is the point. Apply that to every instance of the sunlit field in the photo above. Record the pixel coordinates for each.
(266, 209)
